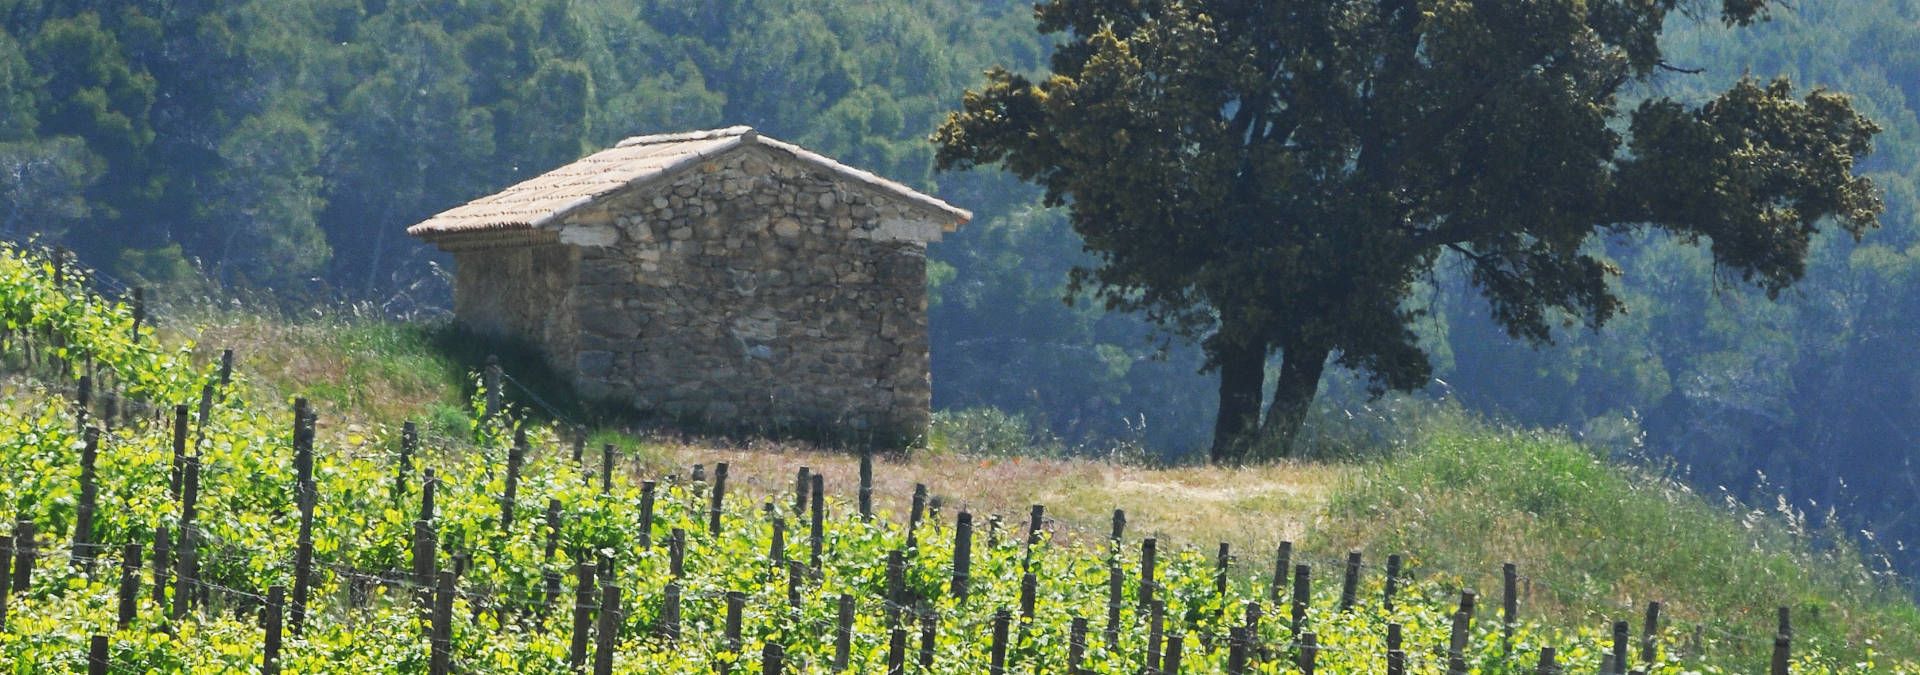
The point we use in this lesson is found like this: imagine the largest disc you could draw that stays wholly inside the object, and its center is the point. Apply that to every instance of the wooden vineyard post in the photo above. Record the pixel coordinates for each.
(1302, 595)
(1548, 666)
(843, 633)
(409, 443)
(206, 409)
(801, 481)
(736, 606)
(606, 468)
(896, 585)
(866, 485)
(25, 554)
(1029, 587)
(772, 659)
(551, 578)
(669, 625)
(440, 644)
(1782, 654)
(183, 569)
(1236, 650)
(1457, 645)
(1350, 585)
(1036, 517)
(162, 545)
(998, 665)
(1282, 562)
(929, 635)
(1116, 587)
(82, 555)
(914, 515)
(1221, 563)
(179, 450)
(1176, 644)
(817, 528)
(1786, 622)
(139, 313)
(83, 401)
(777, 547)
(491, 382)
(129, 596)
(1156, 622)
(306, 497)
(1076, 644)
(97, 653)
(516, 455)
(1509, 605)
(647, 489)
(1396, 657)
(1621, 657)
(1393, 581)
(579, 443)
(1147, 553)
(270, 650)
(583, 607)
(1650, 633)
(719, 496)
(962, 555)
(607, 637)
(897, 651)
(1309, 652)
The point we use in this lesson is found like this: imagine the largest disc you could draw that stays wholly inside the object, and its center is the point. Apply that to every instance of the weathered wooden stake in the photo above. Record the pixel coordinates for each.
(772, 658)
(491, 382)
(579, 443)
(1147, 554)
(1393, 581)
(1076, 644)
(843, 633)
(1156, 623)
(606, 468)
(1350, 585)
(962, 555)
(409, 443)
(913, 515)
(89, 494)
(647, 489)
(162, 548)
(179, 450)
(607, 635)
(1650, 633)
(583, 608)
(1548, 666)
(129, 583)
(1029, 587)
(1222, 561)
(1236, 651)
(1282, 562)
(1302, 595)
(896, 585)
(719, 496)
(25, 552)
(1782, 654)
(1309, 652)
(998, 665)
(6, 577)
(801, 481)
(270, 650)
(1116, 587)
(897, 651)
(441, 643)
(736, 606)
(97, 653)
(1622, 656)
(669, 628)
(866, 485)
(183, 570)
(929, 633)
(817, 532)
(515, 457)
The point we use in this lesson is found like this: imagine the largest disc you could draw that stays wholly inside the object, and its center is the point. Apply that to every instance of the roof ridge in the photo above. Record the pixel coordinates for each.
(683, 136)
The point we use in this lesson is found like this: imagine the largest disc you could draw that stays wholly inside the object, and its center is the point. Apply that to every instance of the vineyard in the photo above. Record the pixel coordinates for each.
(163, 521)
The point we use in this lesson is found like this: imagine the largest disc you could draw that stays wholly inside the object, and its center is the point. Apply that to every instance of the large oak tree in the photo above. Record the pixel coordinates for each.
(1275, 176)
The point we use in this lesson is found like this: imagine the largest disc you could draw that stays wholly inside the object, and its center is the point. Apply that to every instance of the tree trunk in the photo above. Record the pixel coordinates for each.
(1242, 373)
(1300, 369)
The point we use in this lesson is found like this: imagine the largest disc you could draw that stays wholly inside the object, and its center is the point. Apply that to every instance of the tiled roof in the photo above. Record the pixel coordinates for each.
(549, 197)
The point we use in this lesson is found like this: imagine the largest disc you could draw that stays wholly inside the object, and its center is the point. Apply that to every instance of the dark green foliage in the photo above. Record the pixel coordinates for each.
(1276, 176)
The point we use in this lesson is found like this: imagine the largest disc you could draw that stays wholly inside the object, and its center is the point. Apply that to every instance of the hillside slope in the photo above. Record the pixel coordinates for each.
(1593, 541)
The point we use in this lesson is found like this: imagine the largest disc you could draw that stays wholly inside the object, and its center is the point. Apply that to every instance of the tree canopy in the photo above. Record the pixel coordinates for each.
(1276, 176)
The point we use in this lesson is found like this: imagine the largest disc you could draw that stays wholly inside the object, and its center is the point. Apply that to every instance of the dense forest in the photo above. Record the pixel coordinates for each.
(279, 148)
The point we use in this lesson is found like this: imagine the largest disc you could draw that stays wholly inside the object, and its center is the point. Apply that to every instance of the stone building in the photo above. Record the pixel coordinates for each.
(715, 278)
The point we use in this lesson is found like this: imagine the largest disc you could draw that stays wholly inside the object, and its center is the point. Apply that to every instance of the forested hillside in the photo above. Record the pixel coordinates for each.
(282, 145)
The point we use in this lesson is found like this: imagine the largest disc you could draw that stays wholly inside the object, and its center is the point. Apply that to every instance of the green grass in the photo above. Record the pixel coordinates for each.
(1599, 540)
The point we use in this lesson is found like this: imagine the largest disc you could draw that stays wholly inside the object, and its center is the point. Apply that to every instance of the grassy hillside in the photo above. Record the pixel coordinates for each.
(1593, 541)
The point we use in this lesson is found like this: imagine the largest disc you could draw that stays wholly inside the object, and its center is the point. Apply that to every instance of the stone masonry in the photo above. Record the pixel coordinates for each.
(753, 287)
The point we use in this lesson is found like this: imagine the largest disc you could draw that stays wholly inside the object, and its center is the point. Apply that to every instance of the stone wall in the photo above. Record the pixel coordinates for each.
(520, 290)
(756, 292)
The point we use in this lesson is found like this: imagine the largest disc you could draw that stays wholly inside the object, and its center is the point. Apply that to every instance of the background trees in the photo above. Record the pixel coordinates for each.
(276, 144)
(1275, 176)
